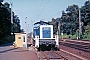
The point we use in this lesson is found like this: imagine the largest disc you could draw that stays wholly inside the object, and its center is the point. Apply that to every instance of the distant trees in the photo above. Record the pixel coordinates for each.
(5, 20)
(69, 20)
(85, 13)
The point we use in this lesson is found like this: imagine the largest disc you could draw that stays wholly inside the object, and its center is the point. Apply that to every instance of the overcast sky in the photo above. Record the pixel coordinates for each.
(36, 10)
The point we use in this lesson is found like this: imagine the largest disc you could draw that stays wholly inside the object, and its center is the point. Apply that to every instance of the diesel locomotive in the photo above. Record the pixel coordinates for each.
(43, 34)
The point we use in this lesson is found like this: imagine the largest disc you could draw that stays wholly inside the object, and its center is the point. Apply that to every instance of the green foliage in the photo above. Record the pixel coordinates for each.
(16, 24)
(69, 21)
(7, 39)
(5, 21)
(87, 32)
(5, 24)
(85, 13)
(69, 36)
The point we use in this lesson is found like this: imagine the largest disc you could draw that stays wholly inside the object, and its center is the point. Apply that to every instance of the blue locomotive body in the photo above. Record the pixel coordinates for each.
(46, 32)
(36, 31)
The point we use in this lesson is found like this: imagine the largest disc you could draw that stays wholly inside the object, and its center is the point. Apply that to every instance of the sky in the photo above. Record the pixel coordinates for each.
(36, 10)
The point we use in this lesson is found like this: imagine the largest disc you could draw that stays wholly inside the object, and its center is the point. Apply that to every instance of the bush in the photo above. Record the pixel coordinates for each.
(7, 39)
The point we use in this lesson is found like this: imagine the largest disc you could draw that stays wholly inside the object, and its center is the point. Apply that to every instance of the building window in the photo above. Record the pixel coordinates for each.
(23, 38)
(19, 37)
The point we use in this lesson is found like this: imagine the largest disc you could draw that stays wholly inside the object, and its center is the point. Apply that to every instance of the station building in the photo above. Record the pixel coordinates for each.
(20, 40)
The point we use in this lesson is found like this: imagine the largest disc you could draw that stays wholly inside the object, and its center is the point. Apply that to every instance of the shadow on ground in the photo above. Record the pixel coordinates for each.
(8, 50)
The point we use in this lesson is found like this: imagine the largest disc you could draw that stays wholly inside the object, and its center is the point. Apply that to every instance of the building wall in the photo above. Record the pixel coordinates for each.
(19, 40)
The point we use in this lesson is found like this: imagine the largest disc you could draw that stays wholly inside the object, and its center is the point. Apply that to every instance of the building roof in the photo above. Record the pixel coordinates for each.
(41, 23)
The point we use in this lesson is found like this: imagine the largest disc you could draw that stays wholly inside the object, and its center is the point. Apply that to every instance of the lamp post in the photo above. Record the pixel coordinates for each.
(26, 31)
(32, 33)
(12, 32)
(80, 24)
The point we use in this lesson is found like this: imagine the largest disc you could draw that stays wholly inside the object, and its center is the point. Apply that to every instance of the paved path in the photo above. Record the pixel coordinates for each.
(10, 53)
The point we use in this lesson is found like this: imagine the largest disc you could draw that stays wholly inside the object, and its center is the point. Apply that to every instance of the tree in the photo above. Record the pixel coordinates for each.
(16, 24)
(70, 19)
(85, 13)
(4, 21)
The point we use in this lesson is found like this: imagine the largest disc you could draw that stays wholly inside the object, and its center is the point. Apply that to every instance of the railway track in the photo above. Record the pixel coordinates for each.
(79, 41)
(50, 55)
(67, 54)
(73, 54)
(84, 46)
(75, 48)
